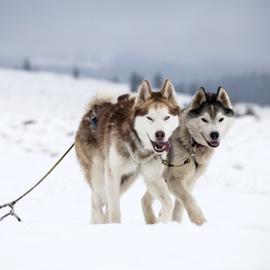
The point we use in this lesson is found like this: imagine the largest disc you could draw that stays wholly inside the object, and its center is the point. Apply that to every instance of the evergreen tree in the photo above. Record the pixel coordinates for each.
(157, 81)
(115, 79)
(26, 65)
(135, 81)
(76, 73)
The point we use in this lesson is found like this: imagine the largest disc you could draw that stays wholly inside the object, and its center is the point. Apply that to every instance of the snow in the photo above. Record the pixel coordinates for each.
(55, 233)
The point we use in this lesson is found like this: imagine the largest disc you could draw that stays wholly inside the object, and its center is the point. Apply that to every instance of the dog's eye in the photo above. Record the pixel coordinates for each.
(166, 118)
(149, 118)
(204, 120)
(221, 119)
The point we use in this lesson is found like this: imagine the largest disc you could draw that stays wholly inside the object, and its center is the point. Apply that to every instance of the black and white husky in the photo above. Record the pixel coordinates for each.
(117, 141)
(203, 125)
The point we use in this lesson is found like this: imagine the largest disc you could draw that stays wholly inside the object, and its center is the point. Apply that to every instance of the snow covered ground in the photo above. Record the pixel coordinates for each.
(39, 113)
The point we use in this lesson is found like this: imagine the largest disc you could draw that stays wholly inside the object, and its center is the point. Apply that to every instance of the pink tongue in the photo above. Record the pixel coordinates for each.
(166, 144)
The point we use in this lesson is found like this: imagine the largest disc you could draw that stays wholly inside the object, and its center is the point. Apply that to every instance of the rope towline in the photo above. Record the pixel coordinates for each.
(12, 203)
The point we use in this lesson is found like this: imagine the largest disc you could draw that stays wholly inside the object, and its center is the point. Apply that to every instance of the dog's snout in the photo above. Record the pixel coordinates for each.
(214, 135)
(160, 135)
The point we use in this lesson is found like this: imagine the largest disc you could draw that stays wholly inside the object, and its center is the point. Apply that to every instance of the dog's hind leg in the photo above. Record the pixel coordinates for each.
(147, 203)
(106, 213)
(97, 214)
(178, 211)
(98, 198)
(95, 177)
(113, 193)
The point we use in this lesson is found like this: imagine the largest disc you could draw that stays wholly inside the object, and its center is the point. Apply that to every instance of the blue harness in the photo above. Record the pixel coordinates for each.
(93, 122)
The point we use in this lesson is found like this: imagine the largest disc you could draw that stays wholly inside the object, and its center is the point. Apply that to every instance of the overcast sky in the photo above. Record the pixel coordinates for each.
(178, 31)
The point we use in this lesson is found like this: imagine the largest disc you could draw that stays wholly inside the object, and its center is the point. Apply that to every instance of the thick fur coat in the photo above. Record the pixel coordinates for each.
(117, 141)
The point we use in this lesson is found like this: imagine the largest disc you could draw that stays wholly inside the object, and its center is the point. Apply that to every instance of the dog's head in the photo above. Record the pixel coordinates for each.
(209, 117)
(156, 116)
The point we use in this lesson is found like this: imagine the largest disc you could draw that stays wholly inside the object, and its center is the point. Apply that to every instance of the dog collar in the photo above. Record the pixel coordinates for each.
(187, 161)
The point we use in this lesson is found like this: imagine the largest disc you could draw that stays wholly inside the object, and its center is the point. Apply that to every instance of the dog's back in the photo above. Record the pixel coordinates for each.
(86, 137)
(96, 124)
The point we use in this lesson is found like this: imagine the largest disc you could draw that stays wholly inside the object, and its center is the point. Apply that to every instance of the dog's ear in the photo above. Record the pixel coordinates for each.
(144, 93)
(198, 98)
(167, 91)
(223, 98)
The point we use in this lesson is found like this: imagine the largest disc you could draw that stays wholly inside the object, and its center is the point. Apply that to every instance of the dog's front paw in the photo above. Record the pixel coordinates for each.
(151, 220)
(114, 217)
(197, 217)
(164, 217)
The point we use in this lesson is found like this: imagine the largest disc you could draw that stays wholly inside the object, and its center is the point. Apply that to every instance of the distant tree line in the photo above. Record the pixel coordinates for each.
(28, 66)
(250, 87)
(136, 79)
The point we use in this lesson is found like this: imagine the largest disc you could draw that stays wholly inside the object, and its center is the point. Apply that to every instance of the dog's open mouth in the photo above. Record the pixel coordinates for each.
(160, 147)
(212, 143)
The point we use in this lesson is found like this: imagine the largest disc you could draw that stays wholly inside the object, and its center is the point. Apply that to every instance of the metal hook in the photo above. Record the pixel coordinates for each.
(10, 213)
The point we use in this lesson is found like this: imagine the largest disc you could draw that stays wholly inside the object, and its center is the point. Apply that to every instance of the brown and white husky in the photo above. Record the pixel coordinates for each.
(117, 141)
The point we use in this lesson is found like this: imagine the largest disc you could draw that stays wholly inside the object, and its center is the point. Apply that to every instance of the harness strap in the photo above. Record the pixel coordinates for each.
(192, 152)
(167, 164)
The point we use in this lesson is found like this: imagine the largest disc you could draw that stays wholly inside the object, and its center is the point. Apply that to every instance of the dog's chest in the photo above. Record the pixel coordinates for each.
(138, 156)
(202, 157)
(201, 160)
(142, 157)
